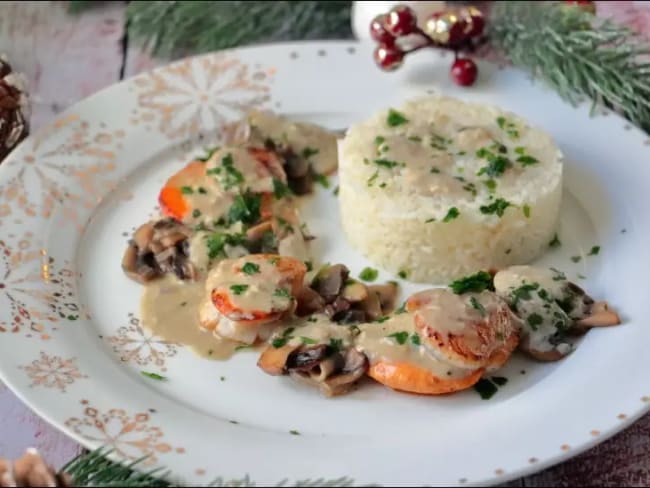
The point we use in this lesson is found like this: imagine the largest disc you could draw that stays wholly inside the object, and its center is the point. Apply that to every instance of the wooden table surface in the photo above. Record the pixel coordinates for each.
(66, 58)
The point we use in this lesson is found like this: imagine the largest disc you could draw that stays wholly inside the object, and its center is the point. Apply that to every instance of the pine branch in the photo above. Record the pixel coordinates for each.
(172, 28)
(577, 54)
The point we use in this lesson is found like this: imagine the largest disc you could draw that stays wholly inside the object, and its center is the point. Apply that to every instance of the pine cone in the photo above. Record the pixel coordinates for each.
(30, 471)
(14, 108)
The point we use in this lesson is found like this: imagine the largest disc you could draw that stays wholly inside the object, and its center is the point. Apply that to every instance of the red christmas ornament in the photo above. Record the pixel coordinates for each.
(464, 71)
(378, 32)
(401, 21)
(586, 5)
(388, 57)
(452, 29)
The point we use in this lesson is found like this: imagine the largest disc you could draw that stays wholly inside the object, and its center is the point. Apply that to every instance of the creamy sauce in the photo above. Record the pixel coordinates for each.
(532, 293)
(300, 137)
(169, 309)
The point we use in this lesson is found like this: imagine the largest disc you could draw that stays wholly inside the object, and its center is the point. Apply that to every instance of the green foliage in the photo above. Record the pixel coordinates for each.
(577, 54)
(175, 28)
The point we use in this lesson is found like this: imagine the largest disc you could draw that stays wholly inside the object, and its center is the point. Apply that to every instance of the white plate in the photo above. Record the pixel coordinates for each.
(72, 349)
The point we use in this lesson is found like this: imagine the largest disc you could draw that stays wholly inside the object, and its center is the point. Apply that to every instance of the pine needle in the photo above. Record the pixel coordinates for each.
(173, 28)
(577, 54)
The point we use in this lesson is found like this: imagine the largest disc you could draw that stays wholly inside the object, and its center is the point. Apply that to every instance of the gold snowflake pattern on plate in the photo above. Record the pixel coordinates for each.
(36, 292)
(67, 166)
(53, 372)
(134, 344)
(130, 435)
(199, 94)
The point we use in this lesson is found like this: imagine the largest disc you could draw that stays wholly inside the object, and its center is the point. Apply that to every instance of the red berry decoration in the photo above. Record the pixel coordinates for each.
(586, 5)
(453, 29)
(464, 71)
(378, 32)
(401, 21)
(388, 58)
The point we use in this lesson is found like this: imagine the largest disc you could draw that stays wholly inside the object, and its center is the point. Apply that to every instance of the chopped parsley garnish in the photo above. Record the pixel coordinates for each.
(309, 265)
(485, 388)
(216, 243)
(415, 138)
(527, 160)
(534, 320)
(368, 274)
(555, 242)
(336, 344)
(395, 118)
(308, 152)
(526, 210)
(415, 339)
(274, 260)
(186, 190)
(387, 163)
(452, 214)
(491, 185)
(196, 213)
(242, 347)
(294, 432)
(576, 259)
(282, 292)
(336, 191)
(238, 289)
(321, 179)
(379, 140)
(497, 165)
(153, 376)
(477, 283)
(231, 176)
(280, 189)
(381, 320)
(202, 190)
(222, 378)
(509, 127)
(278, 342)
(401, 309)
(372, 179)
(497, 207)
(594, 251)
(581, 277)
(307, 340)
(250, 268)
(403, 274)
(428, 221)
(209, 151)
(476, 305)
(559, 275)
(470, 187)
(400, 337)
(245, 208)
(499, 380)
(435, 170)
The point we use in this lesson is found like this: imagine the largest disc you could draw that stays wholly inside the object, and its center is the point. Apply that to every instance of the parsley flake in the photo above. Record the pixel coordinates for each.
(238, 289)
(497, 207)
(282, 292)
(387, 163)
(280, 189)
(594, 251)
(535, 320)
(415, 339)
(250, 268)
(526, 210)
(186, 190)
(477, 283)
(395, 118)
(452, 214)
(400, 337)
(555, 242)
(576, 259)
(403, 273)
(476, 305)
(368, 274)
(308, 152)
(153, 376)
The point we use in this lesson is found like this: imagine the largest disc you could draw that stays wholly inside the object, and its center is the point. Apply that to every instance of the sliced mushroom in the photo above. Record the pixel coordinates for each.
(372, 306)
(600, 315)
(329, 281)
(257, 232)
(273, 360)
(309, 302)
(337, 306)
(307, 358)
(335, 374)
(355, 292)
(351, 316)
(159, 248)
(387, 295)
(546, 356)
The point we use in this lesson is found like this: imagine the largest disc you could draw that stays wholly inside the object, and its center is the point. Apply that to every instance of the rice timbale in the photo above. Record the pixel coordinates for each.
(440, 188)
